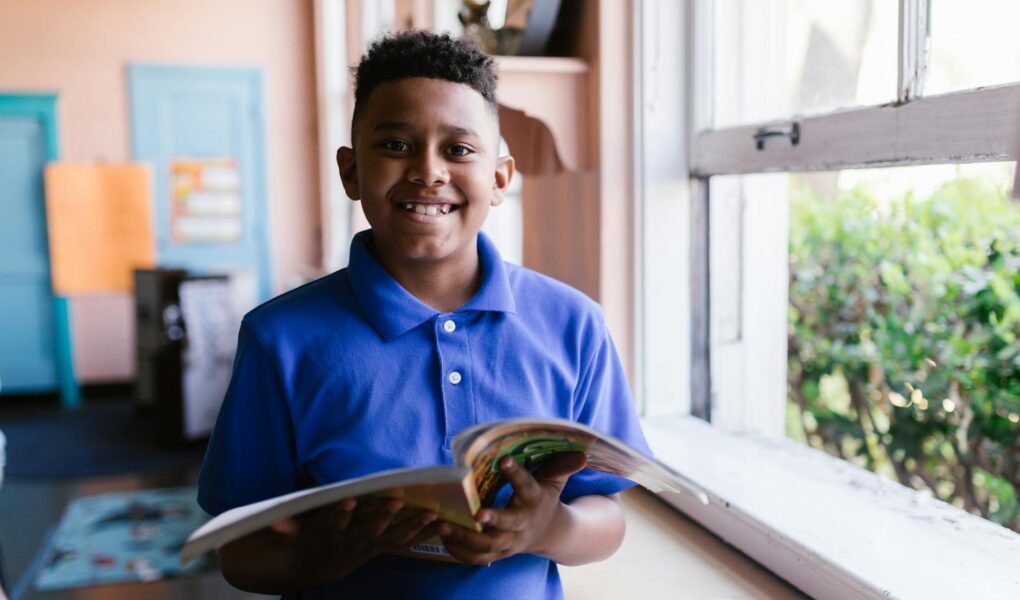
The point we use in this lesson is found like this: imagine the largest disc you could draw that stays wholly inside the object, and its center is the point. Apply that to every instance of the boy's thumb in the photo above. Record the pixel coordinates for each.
(560, 467)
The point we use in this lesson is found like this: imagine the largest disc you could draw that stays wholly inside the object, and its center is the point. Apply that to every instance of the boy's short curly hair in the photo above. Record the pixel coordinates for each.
(424, 54)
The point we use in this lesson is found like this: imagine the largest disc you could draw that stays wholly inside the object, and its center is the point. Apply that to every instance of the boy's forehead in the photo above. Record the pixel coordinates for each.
(427, 102)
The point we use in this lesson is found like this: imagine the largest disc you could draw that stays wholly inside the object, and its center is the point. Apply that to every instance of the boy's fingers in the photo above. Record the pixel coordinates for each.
(289, 526)
(401, 534)
(506, 519)
(474, 559)
(376, 521)
(427, 533)
(333, 517)
(524, 485)
(474, 543)
(346, 513)
(558, 470)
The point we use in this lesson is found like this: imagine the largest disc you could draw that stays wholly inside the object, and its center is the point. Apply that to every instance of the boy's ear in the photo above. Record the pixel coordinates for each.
(348, 172)
(505, 169)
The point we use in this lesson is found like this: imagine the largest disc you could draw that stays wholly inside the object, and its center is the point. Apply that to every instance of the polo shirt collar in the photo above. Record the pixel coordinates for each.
(393, 311)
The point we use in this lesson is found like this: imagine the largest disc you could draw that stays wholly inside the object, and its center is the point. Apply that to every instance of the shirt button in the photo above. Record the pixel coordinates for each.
(454, 378)
(449, 326)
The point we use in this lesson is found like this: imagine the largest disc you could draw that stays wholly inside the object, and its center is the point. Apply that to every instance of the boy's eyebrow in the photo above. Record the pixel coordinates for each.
(452, 129)
(393, 126)
(402, 126)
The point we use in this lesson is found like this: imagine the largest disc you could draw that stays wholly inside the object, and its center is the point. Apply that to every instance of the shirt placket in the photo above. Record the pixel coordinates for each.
(456, 378)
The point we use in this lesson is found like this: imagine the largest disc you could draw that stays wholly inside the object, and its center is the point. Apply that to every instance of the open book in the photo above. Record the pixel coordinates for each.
(454, 492)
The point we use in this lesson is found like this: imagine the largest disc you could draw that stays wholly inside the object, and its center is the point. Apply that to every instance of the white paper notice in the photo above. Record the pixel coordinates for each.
(206, 203)
(211, 326)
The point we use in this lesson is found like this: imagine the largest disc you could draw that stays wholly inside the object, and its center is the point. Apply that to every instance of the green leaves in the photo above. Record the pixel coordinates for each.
(1005, 508)
(914, 304)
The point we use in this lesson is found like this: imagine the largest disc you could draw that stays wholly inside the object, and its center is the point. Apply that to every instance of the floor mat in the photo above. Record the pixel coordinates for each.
(107, 439)
(124, 536)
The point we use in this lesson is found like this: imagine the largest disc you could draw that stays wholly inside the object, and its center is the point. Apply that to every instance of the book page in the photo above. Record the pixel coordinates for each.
(529, 444)
(532, 441)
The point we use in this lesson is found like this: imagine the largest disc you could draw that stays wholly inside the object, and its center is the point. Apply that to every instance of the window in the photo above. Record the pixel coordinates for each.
(820, 56)
(756, 57)
(960, 59)
(787, 104)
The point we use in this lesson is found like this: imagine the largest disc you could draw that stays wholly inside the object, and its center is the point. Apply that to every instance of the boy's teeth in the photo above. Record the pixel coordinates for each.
(428, 209)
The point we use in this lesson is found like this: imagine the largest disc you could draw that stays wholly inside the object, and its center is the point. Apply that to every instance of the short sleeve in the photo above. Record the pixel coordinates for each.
(603, 402)
(251, 453)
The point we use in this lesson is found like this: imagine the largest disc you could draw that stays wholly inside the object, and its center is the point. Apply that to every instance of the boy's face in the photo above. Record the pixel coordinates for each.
(426, 169)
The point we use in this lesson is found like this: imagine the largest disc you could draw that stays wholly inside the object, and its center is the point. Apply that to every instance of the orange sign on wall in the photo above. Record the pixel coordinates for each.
(100, 225)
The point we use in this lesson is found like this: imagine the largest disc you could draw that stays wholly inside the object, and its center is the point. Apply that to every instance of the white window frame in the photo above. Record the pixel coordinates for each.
(332, 84)
(772, 498)
(968, 126)
(662, 204)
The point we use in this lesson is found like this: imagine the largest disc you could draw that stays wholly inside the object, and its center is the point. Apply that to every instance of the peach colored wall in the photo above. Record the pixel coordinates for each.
(80, 50)
(613, 83)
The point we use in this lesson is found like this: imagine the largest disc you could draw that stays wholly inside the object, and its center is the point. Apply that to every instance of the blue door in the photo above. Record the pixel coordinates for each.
(34, 339)
(187, 116)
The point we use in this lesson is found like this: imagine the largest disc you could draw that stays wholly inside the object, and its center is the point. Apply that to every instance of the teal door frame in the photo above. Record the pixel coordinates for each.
(43, 107)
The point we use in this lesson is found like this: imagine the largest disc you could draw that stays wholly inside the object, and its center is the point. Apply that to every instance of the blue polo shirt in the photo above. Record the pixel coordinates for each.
(351, 374)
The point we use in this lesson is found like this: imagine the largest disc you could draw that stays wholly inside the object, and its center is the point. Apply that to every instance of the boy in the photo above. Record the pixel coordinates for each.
(426, 332)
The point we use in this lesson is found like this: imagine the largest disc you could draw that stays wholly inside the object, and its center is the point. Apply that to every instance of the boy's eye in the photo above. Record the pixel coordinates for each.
(459, 150)
(395, 146)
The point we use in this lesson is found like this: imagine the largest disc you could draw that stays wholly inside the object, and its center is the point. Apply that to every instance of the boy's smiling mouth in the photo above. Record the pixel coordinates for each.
(430, 208)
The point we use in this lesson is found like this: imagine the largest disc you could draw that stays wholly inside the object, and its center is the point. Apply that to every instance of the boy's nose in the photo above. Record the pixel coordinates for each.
(428, 170)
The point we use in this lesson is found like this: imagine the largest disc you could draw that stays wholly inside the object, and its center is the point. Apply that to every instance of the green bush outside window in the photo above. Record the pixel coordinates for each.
(903, 338)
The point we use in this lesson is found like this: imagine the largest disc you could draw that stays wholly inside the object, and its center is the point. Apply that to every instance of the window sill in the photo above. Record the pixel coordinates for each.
(830, 528)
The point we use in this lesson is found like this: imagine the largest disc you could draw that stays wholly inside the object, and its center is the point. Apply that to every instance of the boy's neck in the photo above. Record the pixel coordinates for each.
(443, 285)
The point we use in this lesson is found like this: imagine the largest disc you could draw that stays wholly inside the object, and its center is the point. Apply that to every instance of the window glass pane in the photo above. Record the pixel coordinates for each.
(777, 58)
(505, 223)
(973, 43)
(904, 320)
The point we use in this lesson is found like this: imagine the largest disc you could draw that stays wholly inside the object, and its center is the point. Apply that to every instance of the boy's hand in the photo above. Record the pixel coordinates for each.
(331, 542)
(527, 524)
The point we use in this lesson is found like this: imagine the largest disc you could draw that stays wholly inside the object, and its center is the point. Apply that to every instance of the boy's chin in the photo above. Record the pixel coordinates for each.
(433, 251)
